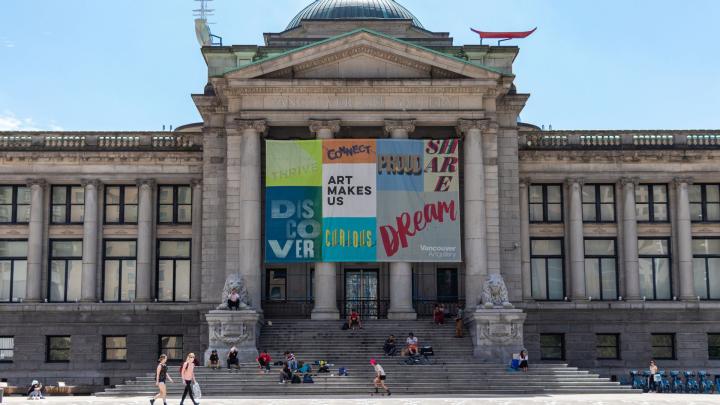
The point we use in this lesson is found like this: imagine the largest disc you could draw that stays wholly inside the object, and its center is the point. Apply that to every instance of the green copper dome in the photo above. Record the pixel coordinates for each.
(353, 10)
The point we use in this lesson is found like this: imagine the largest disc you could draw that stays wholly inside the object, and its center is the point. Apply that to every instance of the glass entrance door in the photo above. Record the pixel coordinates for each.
(361, 293)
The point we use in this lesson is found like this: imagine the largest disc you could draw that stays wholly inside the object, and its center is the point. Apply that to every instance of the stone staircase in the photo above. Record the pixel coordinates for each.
(453, 371)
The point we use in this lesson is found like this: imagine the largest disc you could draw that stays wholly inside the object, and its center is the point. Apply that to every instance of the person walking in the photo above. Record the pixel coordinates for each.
(161, 374)
(188, 375)
(380, 377)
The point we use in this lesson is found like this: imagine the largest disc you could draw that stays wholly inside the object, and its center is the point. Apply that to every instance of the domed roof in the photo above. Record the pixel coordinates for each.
(353, 10)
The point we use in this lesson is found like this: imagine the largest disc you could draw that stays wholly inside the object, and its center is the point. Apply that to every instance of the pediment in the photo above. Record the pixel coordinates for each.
(363, 55)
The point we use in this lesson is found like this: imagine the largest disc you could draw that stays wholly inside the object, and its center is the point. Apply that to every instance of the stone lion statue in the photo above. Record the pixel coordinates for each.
(237, 282)
(494, 292)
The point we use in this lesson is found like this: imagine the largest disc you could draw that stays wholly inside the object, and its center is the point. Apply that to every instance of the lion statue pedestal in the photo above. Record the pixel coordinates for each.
(233, 328)
(497, 328)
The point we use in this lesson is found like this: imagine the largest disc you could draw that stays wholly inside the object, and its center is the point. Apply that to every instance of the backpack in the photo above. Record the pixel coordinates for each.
(345, 326)
(343, 371)
(295, 379)
(307, 379)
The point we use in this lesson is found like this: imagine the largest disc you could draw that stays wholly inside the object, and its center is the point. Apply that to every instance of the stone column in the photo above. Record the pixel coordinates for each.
(90, 242)
(525, 239)
(684, 237)
(474, 215)
(325, 288)
(243, 226)
(401, 306)
(577, 244)
(630, 240)
(145, 242)
(196, 264)
(36, 239)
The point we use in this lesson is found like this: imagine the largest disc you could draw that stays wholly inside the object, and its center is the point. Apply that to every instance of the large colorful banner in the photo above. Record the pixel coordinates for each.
(362, 200)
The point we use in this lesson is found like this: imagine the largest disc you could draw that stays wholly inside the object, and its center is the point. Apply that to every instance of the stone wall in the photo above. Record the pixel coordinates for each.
(87, 324)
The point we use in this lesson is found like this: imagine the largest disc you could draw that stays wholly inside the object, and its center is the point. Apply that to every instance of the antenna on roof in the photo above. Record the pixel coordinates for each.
(202, 26)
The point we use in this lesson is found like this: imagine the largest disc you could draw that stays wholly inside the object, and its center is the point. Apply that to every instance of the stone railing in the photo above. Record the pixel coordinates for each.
(106, 141)
(700, 139)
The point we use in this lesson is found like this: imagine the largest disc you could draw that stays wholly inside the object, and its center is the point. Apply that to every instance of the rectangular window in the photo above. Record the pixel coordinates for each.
(713, 346)
(608, 346)
(121, 205)
(173, 270)
(174, 204)
(601, 269)
(7, 349)
(58, 349)
(447, 285)
(14, 205)
(706, 268)
(67, 205)
(13, 270)
(547, 268)
(598, 203)
(172, 347)
(119, 268)
(663, 346)
(545, 203)
(654, 262)
(651, 203)
(552, 346)
(704, 202)
(276, 284)
(114, 348)
(65, 270)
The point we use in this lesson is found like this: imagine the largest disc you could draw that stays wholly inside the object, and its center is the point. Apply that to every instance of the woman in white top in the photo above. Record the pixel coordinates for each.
(379, 380)
(524, 361)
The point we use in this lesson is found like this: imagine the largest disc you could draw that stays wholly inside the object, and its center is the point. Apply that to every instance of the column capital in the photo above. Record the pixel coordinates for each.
(317, 125)
(485, 124)
(524, 181)
(36, 182)
(392, 125)
(145, 182)
(570, 181)
(196, 182)
(90, 182)
(626, 181)
(679, 181)
(260, 126)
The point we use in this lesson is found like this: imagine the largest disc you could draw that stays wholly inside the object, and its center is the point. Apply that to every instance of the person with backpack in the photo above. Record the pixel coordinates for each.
(187, 372)
(161, 375)
(380, 377)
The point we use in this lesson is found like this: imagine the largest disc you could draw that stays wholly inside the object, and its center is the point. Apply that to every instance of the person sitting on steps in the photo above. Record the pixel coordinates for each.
(411, 345)
(233, 301)
(264, 360)
(232, 359)
(389, 347)
(354, 320)
(214, 360)
(285, 374)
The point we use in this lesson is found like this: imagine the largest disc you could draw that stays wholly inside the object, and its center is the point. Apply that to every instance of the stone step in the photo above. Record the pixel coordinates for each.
(449, 371)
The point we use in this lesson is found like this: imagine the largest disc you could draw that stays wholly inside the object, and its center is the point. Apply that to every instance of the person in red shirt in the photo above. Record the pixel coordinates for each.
(264, 360)
(354, 320)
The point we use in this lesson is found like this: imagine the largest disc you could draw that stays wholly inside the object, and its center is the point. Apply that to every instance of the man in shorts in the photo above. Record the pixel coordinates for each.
(380, 377)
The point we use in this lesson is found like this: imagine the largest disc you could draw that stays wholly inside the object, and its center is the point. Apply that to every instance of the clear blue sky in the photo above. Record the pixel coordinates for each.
(132, 64)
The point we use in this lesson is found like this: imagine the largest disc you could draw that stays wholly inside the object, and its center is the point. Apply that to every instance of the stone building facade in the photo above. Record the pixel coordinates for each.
(115, 246)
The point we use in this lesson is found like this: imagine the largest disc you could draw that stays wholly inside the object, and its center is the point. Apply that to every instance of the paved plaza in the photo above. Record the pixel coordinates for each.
(650, 399)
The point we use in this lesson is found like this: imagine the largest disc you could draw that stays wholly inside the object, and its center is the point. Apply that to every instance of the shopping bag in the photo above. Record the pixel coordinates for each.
(196, 391)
